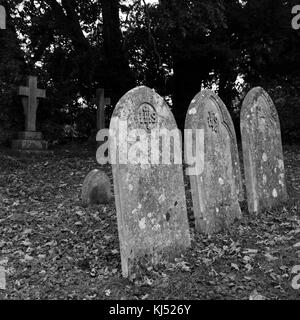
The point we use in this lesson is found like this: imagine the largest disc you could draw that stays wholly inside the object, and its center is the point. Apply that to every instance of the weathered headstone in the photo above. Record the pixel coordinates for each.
(96, 188)
(262, 151)
(150, 196)
(2, 18)
(216, 185)
(30, 140)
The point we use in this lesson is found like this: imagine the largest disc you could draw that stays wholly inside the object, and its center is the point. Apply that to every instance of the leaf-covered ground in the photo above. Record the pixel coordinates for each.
(51, 247)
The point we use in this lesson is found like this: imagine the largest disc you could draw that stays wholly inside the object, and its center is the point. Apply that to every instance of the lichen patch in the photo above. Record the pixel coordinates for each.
(275, 193)
(193, 111)
(142, 224)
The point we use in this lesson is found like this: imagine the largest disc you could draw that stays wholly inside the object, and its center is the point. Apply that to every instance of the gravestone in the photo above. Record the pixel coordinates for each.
(2, 18)
(101, 102)
(150, 196)
(262, 151)
(96, 188)
(216, 184)
(30, 140)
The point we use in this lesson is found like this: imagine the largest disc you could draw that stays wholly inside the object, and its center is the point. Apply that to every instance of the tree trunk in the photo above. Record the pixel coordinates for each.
(119, 78)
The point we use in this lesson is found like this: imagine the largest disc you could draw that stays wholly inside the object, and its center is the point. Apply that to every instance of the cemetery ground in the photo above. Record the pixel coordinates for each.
(51, 247)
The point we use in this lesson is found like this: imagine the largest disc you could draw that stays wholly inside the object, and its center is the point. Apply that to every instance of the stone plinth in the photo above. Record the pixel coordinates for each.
(30, 141)
(30, 135)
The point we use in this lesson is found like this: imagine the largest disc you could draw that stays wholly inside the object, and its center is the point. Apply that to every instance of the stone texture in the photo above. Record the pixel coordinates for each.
(29, 135)
(216, 189)
(150, 198)
(30, 142)
(101, 102)
(2, 18)
(30, 145)
(96, 188)
(262, 152)
(30, 96)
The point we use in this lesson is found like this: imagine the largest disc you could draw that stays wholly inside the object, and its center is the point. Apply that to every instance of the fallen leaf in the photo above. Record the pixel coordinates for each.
(107, 292)
(256, 296)
(270, 258)
(250, 251)
(235, 266)
(297, 245)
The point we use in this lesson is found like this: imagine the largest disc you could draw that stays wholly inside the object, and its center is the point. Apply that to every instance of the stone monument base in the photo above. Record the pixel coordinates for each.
(29, 141)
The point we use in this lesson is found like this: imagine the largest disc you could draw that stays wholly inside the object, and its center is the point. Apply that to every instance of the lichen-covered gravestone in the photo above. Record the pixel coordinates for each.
(262, 151)
(96, 188)
(150, 196)
(216, 187)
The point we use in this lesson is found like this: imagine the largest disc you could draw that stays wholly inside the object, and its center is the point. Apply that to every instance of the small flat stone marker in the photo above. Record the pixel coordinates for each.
(96, 188)
(2, 18)
(216, 186)
(262, 151)
(150, 196)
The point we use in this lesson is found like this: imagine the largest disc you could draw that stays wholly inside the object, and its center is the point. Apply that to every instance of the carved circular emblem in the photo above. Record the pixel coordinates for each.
(147, 116)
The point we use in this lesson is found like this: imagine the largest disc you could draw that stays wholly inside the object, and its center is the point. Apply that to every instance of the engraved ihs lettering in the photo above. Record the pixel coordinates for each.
(147, 116)
(213, 121)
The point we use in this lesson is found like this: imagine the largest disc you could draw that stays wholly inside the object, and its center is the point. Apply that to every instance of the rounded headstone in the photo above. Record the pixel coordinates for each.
(216, 187)
(150, 196)
(262, 151)
(96, 188)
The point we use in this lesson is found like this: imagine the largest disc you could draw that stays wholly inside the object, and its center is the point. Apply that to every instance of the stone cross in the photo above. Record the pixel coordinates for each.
(2, 18)
(262, 150)
(30, 96)
(101, 102)
(217, 186)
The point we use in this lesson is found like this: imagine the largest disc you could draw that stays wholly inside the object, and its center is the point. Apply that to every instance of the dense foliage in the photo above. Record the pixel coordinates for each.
(177, 47)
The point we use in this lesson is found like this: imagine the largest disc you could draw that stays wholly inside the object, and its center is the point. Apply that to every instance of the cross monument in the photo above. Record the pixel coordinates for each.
(30, 140)
(101, 102)
(30, 96)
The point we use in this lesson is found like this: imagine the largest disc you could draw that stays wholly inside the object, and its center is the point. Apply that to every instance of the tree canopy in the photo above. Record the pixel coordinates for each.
(176, 47)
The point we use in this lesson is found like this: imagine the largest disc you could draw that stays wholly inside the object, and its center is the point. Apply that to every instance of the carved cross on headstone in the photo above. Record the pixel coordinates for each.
(30, 96)
(101, 102)
(2, 18)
